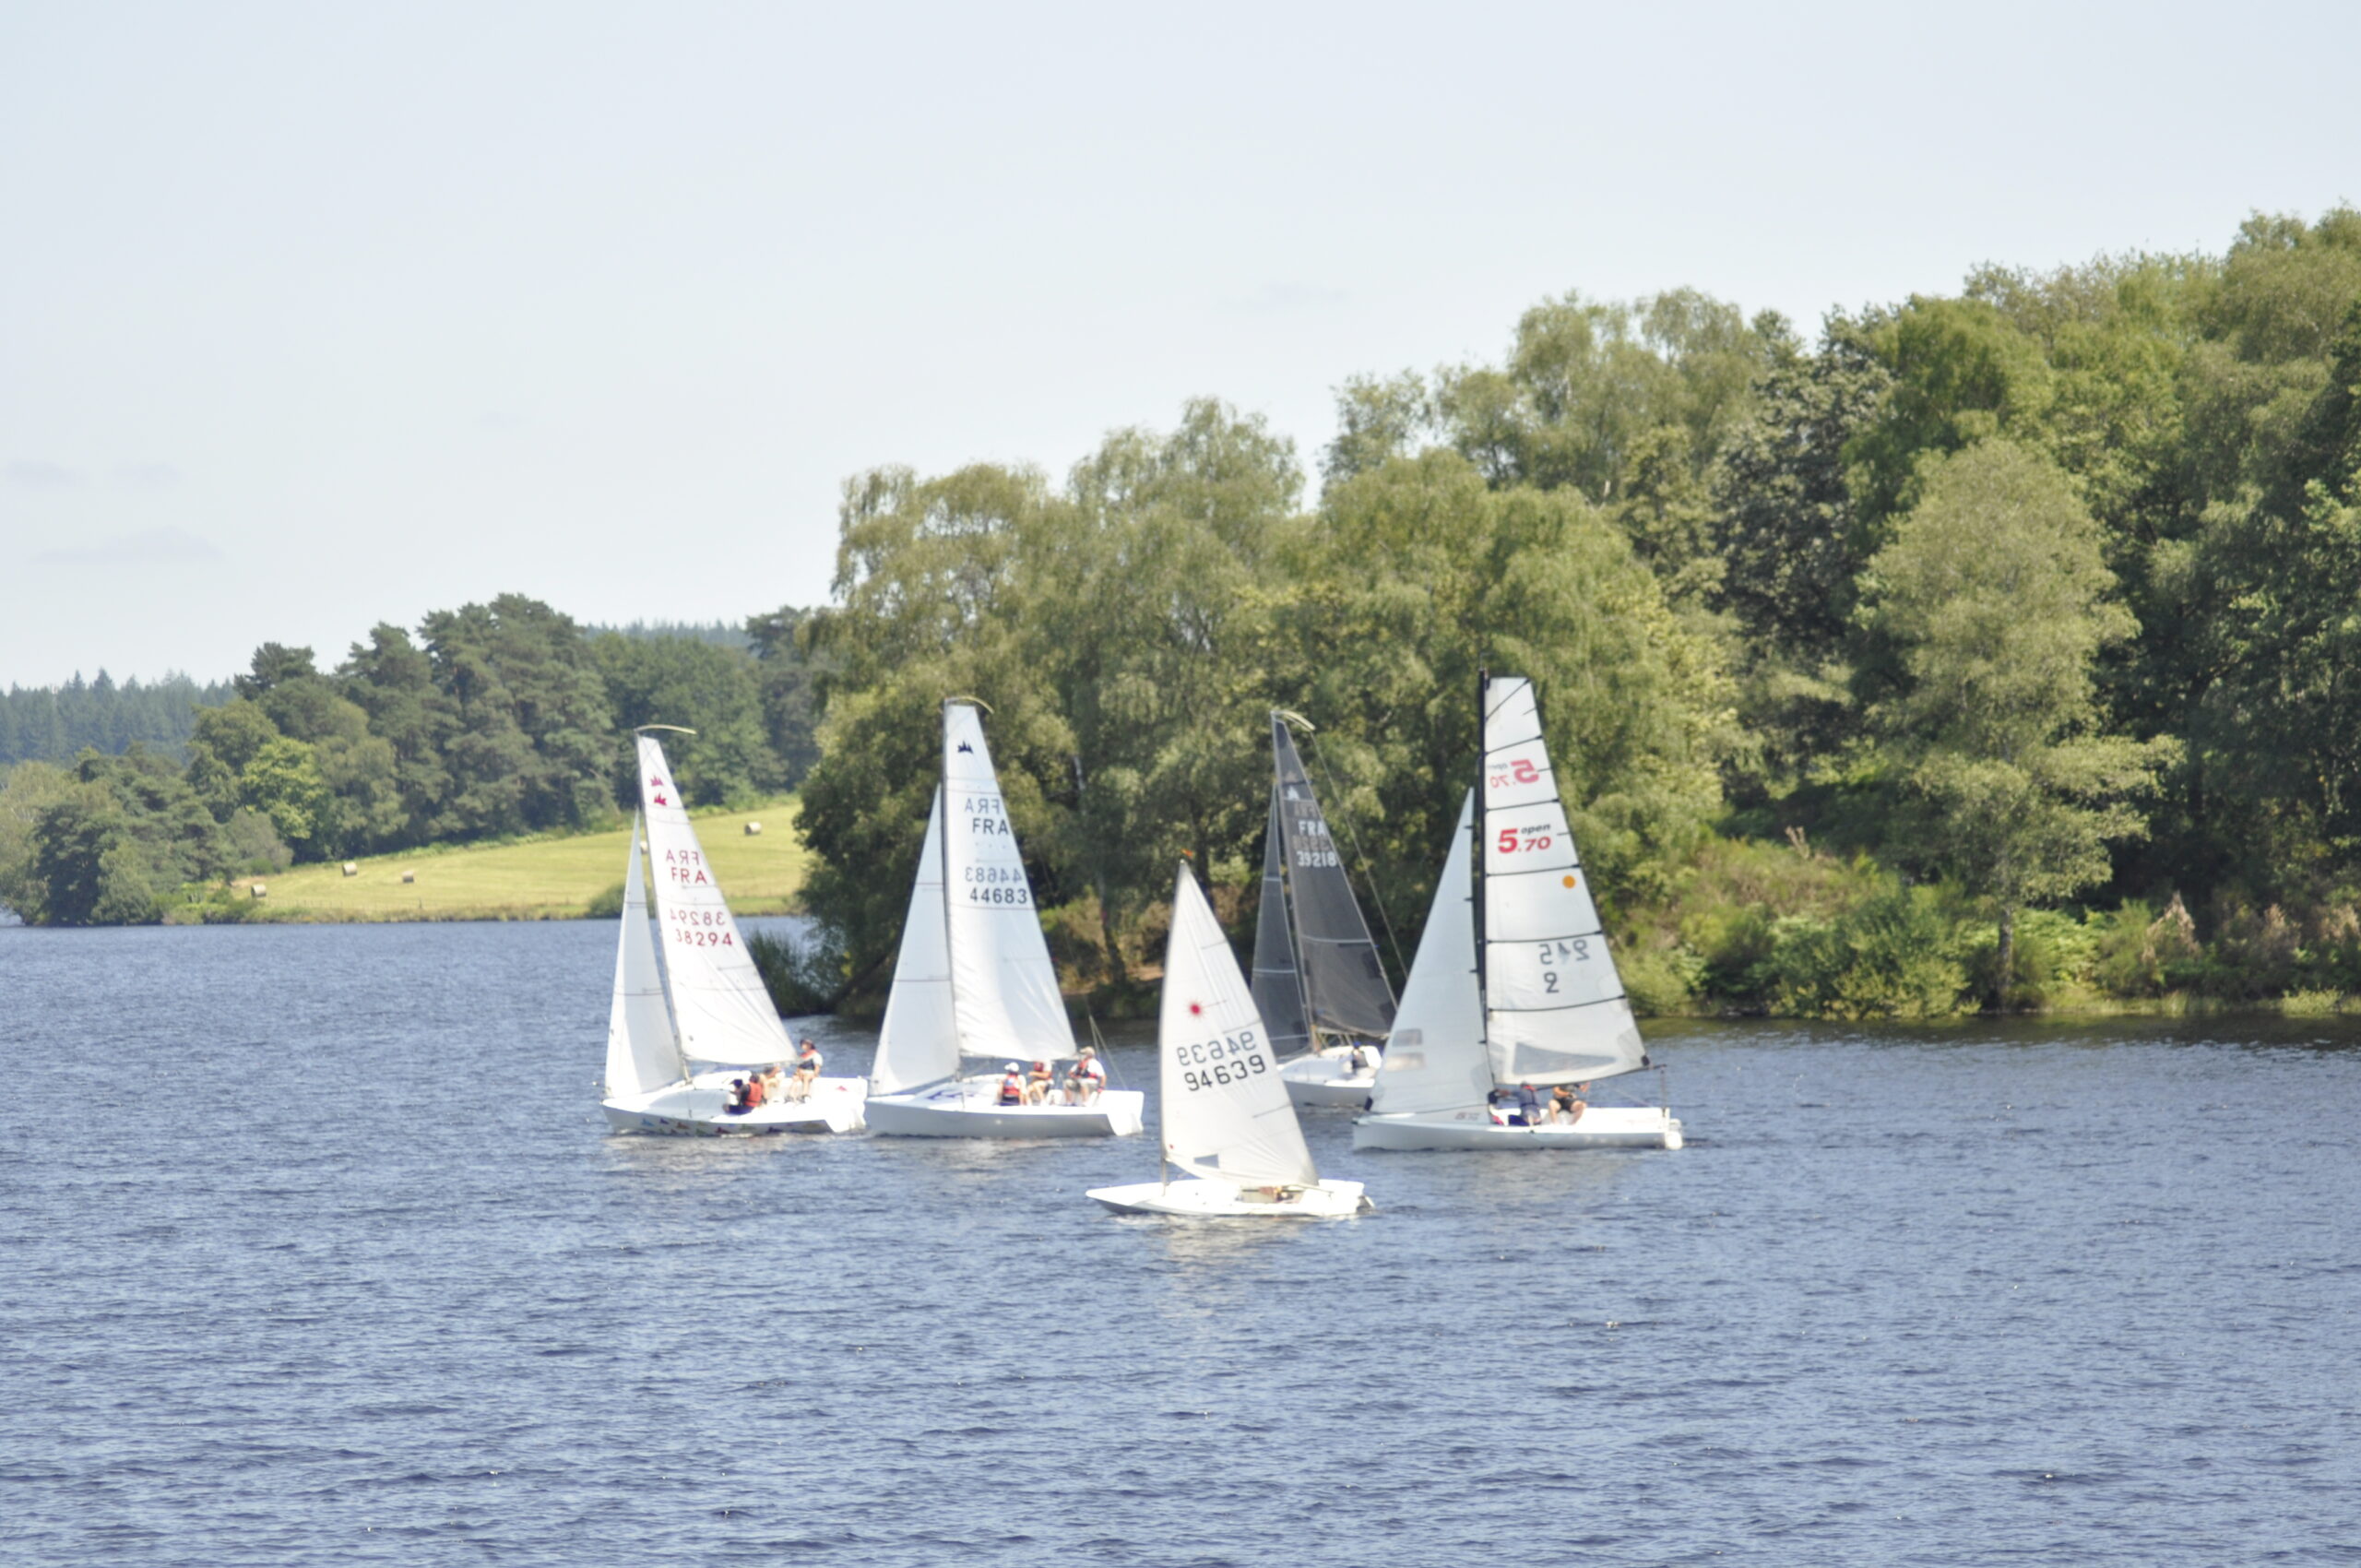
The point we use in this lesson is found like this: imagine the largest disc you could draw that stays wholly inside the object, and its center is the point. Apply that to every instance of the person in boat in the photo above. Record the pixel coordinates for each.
(1086, 1080)
(1528, 1106)
(1037, 1084)
(737, 1105)
(807, 1068)
(1357, 1062)
(773, 1084)
(1566, 1103)
(1012, 1084)
(754, 1095)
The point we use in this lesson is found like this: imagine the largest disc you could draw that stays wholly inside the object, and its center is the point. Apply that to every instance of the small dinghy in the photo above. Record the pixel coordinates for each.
(973, 981)
(663, 1079)
(1318, 982)
(1225, 1113)
(1512, 984)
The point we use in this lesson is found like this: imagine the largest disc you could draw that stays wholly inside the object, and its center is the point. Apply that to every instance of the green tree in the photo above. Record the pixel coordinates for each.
(698, 685)
(1991, 604)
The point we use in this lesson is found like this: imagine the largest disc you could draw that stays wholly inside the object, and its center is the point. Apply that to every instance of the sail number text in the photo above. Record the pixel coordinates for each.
(1513, 839)
(700, 928)
(1573, 949)
(1226, 1059)
(997, 885)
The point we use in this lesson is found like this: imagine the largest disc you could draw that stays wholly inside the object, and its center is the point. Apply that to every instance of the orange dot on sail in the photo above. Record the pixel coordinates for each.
(1570, 879)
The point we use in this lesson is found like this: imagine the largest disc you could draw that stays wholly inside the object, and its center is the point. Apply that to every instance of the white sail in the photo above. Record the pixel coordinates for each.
(1001, 981)
(723, 1008)
(1434, 1058)
(1225, 1111)
(920, 1041)
(642, 1054)
(1555, 1007)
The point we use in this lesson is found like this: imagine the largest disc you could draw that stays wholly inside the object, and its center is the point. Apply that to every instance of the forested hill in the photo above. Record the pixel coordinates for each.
(57, 723)
(491, 720)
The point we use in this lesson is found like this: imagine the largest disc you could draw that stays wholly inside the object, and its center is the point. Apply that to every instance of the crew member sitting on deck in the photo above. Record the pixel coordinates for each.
(1358, 1060)
(1528, 1106)
(737, 1105)
(1086, 1079)
(807, 1068)
(1036, 1083)
(1012, 1085)
(753, 1090)
(1566, 1104)
(773, 1084)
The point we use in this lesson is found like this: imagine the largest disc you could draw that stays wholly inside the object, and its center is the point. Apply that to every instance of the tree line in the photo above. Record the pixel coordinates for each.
(58, 723)
(1985, 648)
(492, 721)
(1989, 648)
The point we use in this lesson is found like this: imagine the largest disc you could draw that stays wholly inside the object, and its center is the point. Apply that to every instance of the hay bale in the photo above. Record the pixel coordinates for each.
(352, 868)
(257, 890)
(409, 876)
(753, 830)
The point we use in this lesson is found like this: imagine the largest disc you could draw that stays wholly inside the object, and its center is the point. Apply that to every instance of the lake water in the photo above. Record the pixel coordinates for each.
(313, 1248)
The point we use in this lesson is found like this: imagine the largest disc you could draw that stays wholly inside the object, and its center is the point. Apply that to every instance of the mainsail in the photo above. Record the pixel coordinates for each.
(724, 1010)
(1555, 1010)
(1278, 984)
(1434, 1059)
(1345, 990)
(1225, 1111)
(920, 1041)
(642, 1053)
(1002, 985)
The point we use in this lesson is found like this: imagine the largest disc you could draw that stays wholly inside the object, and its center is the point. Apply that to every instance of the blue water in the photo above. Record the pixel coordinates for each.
(313, 1249)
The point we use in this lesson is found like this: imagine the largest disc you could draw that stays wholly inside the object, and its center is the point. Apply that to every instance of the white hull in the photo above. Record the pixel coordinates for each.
(1198, 1198)
(971, 1108)
(697, 1110)
(1602, 1127)
(1325, 1080)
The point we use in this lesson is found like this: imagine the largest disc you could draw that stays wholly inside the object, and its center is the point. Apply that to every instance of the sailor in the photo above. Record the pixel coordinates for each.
(1565, 1104)
(773, 1084)
(1359, 1061)
(1086, 1080)
(1528, 1105)
(807, 1068)
(753, 1091)
(1036, 1083)
(1012, 1084)
(737, 1105)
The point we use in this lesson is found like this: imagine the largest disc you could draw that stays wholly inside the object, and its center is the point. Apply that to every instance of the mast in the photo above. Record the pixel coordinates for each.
(1483, 760)
(943, 871)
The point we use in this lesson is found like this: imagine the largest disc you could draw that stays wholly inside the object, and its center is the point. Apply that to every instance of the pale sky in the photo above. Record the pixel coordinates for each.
(317, 316)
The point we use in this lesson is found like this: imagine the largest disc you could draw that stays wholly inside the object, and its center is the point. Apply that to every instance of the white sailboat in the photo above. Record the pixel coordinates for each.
(1512, 983)
(1224, 1112)
(973, 980)
(661, 1078)
(1318, 981)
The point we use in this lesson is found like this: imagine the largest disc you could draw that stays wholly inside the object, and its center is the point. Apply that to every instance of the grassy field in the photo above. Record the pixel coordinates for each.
(538, 879)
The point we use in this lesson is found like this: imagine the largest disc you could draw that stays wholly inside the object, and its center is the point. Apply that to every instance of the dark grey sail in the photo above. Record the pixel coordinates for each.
(1345, 990)
(1278, 986)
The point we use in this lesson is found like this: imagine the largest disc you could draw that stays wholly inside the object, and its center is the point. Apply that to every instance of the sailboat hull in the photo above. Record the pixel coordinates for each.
(1602, 1127)
(971, 1110)
(1198, 1198)
(1325, 1080)
(697, 1109)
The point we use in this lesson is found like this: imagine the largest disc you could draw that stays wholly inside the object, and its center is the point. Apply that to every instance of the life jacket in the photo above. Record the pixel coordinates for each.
(755, 1093)
(1011, 1088)
(1088, 1067)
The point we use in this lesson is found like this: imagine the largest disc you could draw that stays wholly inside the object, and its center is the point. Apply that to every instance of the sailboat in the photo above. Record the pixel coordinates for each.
(1224, 1112)
(1318, 981)
(973, 980)
(663, 1079)
(1512, 983)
